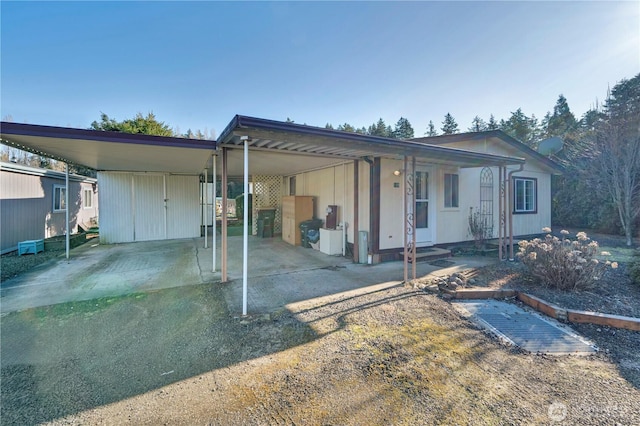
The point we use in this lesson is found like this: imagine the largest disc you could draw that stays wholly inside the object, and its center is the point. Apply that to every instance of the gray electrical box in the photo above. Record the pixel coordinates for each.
(363, 246)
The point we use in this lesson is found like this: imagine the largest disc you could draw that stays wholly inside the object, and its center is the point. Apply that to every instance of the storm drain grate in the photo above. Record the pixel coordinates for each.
(525, 329)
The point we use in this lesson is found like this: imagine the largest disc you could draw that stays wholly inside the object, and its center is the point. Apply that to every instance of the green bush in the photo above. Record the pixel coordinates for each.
(562, 263)
(634, 267)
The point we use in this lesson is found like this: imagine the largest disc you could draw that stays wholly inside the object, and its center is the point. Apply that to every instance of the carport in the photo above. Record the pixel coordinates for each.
(259, 147)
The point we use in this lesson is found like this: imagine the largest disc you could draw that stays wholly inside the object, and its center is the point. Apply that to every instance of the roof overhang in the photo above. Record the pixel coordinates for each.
(441, 140)
(318, 146)
(112, 151)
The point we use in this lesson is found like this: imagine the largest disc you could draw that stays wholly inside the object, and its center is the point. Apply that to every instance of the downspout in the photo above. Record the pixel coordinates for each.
(510, 204)
(374, 206)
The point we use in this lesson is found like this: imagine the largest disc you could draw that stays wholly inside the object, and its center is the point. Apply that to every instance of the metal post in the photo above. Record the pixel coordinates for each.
(356, 212)
(245, 232)
(500, 195)
(413, 224)
(66, 209)
(405, 203)
(214, 159)
(206, 202)
(223, 254)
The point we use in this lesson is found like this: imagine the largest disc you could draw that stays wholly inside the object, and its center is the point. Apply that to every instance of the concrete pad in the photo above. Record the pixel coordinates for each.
(527, 330)
(95, 271)
(279, 274)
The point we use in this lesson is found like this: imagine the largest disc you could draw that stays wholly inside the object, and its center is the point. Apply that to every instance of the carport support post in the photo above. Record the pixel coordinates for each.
(66, 208)
(223, 254)
(356, 212)
(206, 201)
(245, 225)
(214, 159)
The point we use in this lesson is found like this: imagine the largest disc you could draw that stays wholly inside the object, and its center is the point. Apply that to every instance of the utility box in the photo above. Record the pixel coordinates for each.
(363, 246)
(331, 241)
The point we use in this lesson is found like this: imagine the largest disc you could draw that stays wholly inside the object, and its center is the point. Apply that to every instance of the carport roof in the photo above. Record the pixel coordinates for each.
(276, 148)
(290, 138)
(103, 150)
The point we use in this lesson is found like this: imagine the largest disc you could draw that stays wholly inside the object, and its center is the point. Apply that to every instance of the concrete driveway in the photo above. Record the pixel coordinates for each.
(279, 274)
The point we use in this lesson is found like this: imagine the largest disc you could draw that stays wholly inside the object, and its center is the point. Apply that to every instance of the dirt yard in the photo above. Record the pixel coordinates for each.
(394, 356)
(398, 356)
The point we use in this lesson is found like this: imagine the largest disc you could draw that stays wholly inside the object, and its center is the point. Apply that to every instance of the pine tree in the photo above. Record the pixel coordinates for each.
(449, 125)
(492, 124)
(478, 125)
(403, 129)
(431, 130)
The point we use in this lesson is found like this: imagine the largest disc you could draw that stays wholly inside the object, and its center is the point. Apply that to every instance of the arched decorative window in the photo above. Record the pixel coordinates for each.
(486, 195)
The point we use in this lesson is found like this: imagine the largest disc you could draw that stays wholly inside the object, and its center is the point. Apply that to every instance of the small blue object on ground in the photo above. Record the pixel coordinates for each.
(30, 246)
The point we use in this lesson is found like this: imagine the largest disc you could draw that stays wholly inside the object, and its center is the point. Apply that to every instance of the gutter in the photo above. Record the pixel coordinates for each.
(510, 183)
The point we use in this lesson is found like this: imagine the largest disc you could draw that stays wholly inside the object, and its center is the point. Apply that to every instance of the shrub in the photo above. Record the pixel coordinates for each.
(634, 267)
(562, 263)
(479, 227)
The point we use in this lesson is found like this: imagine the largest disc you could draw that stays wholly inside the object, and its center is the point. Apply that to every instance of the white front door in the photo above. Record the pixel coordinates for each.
(424, 207)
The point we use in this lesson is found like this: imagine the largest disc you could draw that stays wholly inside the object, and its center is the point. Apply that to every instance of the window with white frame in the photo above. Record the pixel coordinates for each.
(451, 195)
(87, 199)
(525, 195)
(59, 202)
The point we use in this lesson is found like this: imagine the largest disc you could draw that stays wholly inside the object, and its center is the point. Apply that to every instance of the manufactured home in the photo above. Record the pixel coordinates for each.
(401, 195)
(32, 204)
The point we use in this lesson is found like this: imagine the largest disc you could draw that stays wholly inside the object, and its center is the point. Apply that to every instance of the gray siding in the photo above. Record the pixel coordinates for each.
(26, 205)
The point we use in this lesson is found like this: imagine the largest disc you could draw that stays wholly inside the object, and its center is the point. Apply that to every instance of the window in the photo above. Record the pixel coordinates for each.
(87, 199)
(451, 190)
(59, 192)
(525, 195)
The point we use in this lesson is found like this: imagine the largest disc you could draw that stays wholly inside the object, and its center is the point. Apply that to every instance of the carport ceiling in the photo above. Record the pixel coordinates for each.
(111, 150)
(289, 148)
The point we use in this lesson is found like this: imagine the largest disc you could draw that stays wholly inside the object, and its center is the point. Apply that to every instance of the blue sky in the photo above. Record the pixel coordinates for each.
(196, 65)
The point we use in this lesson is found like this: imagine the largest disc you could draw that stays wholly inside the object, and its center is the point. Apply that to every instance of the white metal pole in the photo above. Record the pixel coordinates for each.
(245, 245)
(66, 208)
(206, 202)
(214, 159)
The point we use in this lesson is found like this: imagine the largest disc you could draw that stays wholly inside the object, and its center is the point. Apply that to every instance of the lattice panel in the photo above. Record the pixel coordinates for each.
(267, 193)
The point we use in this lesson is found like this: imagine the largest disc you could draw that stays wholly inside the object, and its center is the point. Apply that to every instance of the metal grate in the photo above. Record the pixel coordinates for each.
(267, 192)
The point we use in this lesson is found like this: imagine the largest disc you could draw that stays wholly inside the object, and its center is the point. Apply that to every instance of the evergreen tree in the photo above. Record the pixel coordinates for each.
(492, 124)
(346, 127)
(478, 125)
(431, 129)
(521, 127)
(328, 126)
(379, 129)
(562, 121)
(148, 125)
(403, 129)
(449, 125)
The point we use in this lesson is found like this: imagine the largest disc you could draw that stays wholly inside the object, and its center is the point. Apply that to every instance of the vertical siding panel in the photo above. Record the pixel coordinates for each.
(149, 207)
(183, 206)
(116, 211)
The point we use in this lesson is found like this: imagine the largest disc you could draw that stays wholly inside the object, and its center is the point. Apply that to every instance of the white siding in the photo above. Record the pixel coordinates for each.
(391, 205)
(116, 208)
(133, 207)
(148, 208)
(183, 209)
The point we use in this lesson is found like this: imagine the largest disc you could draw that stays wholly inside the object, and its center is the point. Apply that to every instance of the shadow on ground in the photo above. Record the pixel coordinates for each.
(70, 357)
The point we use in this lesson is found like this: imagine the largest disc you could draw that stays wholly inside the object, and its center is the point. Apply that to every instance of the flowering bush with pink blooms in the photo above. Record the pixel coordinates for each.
(563, 263)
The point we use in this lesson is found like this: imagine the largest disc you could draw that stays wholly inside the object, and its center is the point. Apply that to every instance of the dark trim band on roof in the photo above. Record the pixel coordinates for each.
(499, 134)
(359, 144)
(21, 129)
